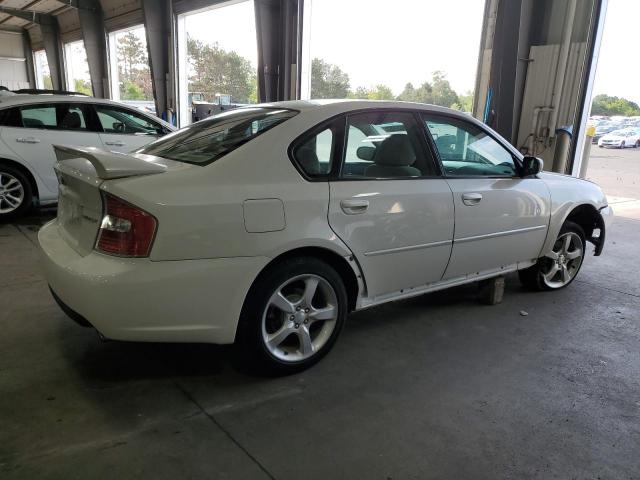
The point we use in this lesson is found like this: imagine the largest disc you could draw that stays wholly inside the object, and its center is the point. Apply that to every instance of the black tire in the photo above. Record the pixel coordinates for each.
(27, 198)
(637, 144)
(622, 145)
(531, 277)
(251, 348)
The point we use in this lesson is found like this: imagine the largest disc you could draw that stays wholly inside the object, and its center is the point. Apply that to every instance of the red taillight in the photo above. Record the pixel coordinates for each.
(125, 230)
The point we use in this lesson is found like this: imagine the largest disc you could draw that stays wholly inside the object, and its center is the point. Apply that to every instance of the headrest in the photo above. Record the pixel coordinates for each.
(72, 120)
(395, 150)
(308, 159)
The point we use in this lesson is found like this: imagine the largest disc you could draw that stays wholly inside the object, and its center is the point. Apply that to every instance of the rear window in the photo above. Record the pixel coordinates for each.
(208, 140)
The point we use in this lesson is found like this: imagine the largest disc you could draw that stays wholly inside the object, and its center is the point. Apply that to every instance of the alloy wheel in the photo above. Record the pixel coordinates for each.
(11, 193)
(562, 264)
(299, 318)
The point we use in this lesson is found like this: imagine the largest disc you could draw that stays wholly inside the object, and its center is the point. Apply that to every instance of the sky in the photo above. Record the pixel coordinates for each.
(618, 69)
(377, 41)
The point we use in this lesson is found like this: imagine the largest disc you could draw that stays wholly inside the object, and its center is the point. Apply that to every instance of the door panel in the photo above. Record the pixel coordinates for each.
(34, 146)
(399, 230)
(124, 143)
(499, 221)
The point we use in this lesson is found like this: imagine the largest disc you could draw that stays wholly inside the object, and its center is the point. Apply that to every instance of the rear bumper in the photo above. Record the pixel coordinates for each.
(144, 300)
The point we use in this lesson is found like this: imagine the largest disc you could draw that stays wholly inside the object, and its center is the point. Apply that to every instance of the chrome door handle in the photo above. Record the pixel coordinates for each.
(471, 198)
(115, 144)
(354, 207)
(27, 140)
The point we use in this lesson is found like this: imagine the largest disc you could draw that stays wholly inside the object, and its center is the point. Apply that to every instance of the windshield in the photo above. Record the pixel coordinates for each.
(205, 142)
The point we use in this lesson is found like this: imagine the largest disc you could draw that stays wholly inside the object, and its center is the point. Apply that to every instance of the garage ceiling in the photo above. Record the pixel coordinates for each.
(118, 14)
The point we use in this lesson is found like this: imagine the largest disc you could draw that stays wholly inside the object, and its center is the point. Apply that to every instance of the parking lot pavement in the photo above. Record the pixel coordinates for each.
(618, 173)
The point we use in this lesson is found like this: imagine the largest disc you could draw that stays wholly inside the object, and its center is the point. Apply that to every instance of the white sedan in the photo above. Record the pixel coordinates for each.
(266, 225)
(628, 137)
(31, 124)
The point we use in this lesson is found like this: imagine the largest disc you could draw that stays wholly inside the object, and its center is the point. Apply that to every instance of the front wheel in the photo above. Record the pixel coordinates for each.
(622, 145)
(561, 265)
(292, 316)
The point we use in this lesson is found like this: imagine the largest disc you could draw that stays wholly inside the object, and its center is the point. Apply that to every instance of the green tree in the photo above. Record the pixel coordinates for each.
(82, 86)
(464, 103)
(379, 92)
(328, 81)
(46, 82)
(218, 71)
(133, 68)
(607, 105)
(441, 91)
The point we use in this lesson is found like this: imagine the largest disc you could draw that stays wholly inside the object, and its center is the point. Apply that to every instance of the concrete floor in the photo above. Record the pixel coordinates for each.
(435, 387)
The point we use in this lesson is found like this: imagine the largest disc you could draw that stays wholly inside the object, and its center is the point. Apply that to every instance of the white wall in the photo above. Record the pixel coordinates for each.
(13, 67)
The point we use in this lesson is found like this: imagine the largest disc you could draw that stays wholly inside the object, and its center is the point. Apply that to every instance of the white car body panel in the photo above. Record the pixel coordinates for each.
(402, 239)
(219, 225)
(33, 147)
(509, 224)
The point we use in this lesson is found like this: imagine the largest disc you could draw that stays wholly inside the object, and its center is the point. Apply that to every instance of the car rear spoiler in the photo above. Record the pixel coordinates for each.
(109, 165)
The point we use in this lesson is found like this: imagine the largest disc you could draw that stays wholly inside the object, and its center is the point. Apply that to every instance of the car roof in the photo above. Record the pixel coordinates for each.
(26, 99)
(344, 105)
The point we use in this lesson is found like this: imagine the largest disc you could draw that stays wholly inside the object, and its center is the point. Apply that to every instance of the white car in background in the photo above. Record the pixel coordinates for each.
(624, 138)
(31, 124)
(267, 224)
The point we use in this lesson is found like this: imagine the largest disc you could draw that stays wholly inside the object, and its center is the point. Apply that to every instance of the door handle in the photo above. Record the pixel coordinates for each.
(27, 140)
(354, 207)
(115, 144)
(471, 198)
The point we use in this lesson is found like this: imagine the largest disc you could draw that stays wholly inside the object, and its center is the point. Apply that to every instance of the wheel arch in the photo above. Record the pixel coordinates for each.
(349, 273)
(27, 173)
(589, 218)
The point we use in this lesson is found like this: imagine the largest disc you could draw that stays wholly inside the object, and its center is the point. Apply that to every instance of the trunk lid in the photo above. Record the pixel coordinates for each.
(80, 172)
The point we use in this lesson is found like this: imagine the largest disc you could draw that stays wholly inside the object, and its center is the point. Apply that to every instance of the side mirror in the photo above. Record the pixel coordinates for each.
(531, 166)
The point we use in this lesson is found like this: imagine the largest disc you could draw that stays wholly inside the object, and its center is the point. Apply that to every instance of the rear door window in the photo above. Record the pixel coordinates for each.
(206, 141)
(57, 116)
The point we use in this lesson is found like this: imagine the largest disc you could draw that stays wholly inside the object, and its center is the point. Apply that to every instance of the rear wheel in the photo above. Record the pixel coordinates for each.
(561, 265)
(292, 316)
(16, 195)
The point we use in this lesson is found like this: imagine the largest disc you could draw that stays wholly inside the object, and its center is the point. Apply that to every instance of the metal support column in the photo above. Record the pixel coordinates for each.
(53, 49)
(93, 34)
(157, 21)
(28, 55)
(279, 35)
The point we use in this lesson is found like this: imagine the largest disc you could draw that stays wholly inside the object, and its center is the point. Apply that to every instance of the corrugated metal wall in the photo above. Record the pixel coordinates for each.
(538, 90)
(13, 68)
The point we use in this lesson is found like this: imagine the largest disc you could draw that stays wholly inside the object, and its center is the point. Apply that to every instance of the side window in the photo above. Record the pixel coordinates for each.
(314, 155)
(466, 150)
(39, 116)
(53, 117)
(122, 121)
(384, 145)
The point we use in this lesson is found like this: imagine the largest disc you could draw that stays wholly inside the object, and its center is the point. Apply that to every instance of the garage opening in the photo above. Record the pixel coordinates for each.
(130, 76)
(613, 160)
(78, 78)
(42, 73)
(393, 54)
(217, 59)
